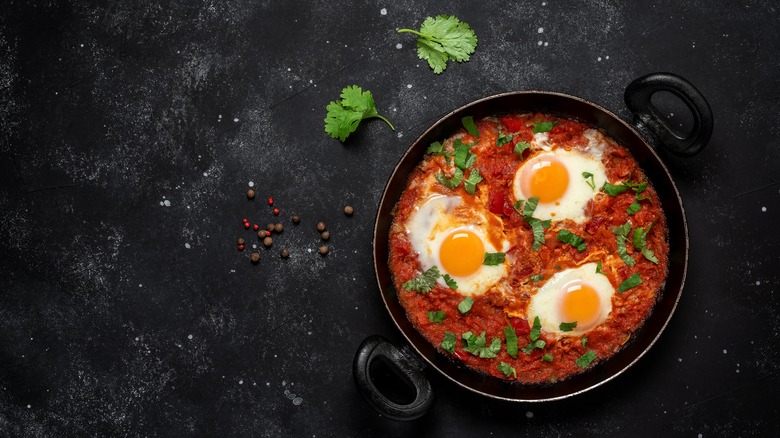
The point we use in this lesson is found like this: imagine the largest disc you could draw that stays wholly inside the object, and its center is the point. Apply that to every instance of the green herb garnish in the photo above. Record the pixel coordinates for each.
(533, 345)
(537, 278)
(471, 182)
(632, 281)
(572, 239)
(345, 115)
(585, 360)
(448, 344)
(567, 326)
(598, 268)
(547, 357)
(442, 39)
(436, 316)
(640, 243)
(503, 138)
(634, 207)
(613, 189)
(494, 258)
(450, 183)
(544, 126)
(463, 156)
(589, 179)
(450, 281)
(621, 233)
(437, 148)
(521, 146)
(477, 345)
(465, 305)
(511, 341)
(584, 342)
(424, 282)
(471, 127)
(536, 329)
(507, 369)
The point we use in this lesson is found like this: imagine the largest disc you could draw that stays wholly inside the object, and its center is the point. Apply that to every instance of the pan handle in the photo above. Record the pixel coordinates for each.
(376, 348)
(638, 94)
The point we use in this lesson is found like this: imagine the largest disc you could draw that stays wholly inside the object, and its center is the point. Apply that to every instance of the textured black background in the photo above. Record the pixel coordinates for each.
(130, 130)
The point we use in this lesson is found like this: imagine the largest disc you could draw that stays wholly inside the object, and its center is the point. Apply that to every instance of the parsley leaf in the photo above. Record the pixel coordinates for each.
(586, 359)
(567, 326)
(450, 183)
(621, 233)
(538, 227)
(632, 281)
(521, 146)
(435, 148)
(589, 179)
(530, 206)
(598, 268)
(494, 258)
(471, 127)
(533, 345)
(471, 182)
(448, 344)
(584, 342)
(640, 243)
(465, 305)
(536, 278)
(442, 39)
(450, 281)
(547, 357)
(503, 138)
(536, 329)
(613, 189)
(544, 126)
(511, 341)
(477, 345)
(345, 115)
(424, 282)
(436, 316)
(572, 239)
(463, 156)
(633, 208)
(507, 369)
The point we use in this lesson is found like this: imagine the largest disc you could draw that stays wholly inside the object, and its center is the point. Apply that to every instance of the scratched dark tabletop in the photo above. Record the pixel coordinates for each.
(131, 131)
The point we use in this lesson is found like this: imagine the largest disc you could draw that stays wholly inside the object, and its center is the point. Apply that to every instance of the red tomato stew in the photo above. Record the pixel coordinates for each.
(528, 246)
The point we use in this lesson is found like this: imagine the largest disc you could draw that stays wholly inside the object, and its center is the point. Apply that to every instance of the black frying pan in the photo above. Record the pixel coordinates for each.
(649, 119)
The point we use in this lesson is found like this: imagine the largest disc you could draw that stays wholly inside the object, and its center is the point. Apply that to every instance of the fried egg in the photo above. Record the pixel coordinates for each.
(454, 237)
(575, 295)
(556, 178)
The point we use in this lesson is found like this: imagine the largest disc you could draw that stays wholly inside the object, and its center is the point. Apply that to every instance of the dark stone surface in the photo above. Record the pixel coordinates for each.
(121, 315)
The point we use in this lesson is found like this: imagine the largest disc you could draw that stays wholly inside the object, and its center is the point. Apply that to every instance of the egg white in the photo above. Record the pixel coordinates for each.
(433, 221)
(572, 204)
(546, 302)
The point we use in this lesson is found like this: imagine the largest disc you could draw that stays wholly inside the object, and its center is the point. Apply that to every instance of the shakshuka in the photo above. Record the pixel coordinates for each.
(528, 246)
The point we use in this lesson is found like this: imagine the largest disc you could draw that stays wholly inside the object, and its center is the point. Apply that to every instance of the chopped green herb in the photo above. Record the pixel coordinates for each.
(585, 342)
(547, 357)
(537, 278)
(521, 146)
(507, 369)
(538, 227)
(649, 255)
(463, 156)
(494, 258)
(448, 344)
(435, 148)
(632, 281)
(436, 316)
(345, 115)
(424, 282)
(598, 268)
(634, 207)
(471, 127)
(511, 341)
(477, 345)
(621, 233)
(572, 239)
(613, 189)
(450, 281)
(536, 329)
(450, 183)
(567, 326)
(471, 182)
(530, 206)
(465, 305)
(442, 39)
(640, 243)
(586, 359)
(518, 206)
(544, 126)
(503, 138)
(533, 345)
(589, 179)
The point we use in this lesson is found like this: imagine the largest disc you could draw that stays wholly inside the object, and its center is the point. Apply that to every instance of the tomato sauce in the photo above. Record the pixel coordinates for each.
(505, 303)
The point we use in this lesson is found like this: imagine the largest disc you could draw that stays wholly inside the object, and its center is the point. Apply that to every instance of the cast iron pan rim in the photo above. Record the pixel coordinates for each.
(615, 118)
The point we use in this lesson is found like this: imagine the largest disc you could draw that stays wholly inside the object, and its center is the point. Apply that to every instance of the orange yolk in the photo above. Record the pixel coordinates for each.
(547, 180)
(462, 253)
(579, 303)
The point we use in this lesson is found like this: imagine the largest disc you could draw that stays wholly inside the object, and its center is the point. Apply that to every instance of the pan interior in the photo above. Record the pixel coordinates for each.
(564, 106)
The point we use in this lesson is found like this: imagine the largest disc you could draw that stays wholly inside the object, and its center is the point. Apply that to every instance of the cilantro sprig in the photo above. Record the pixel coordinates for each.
(442, 39)
(477, 345)
(345, 115)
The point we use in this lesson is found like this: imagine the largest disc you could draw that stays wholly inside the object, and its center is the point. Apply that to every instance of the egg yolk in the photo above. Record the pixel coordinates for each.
(580, 303)
(547, 180)
(462, 253)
